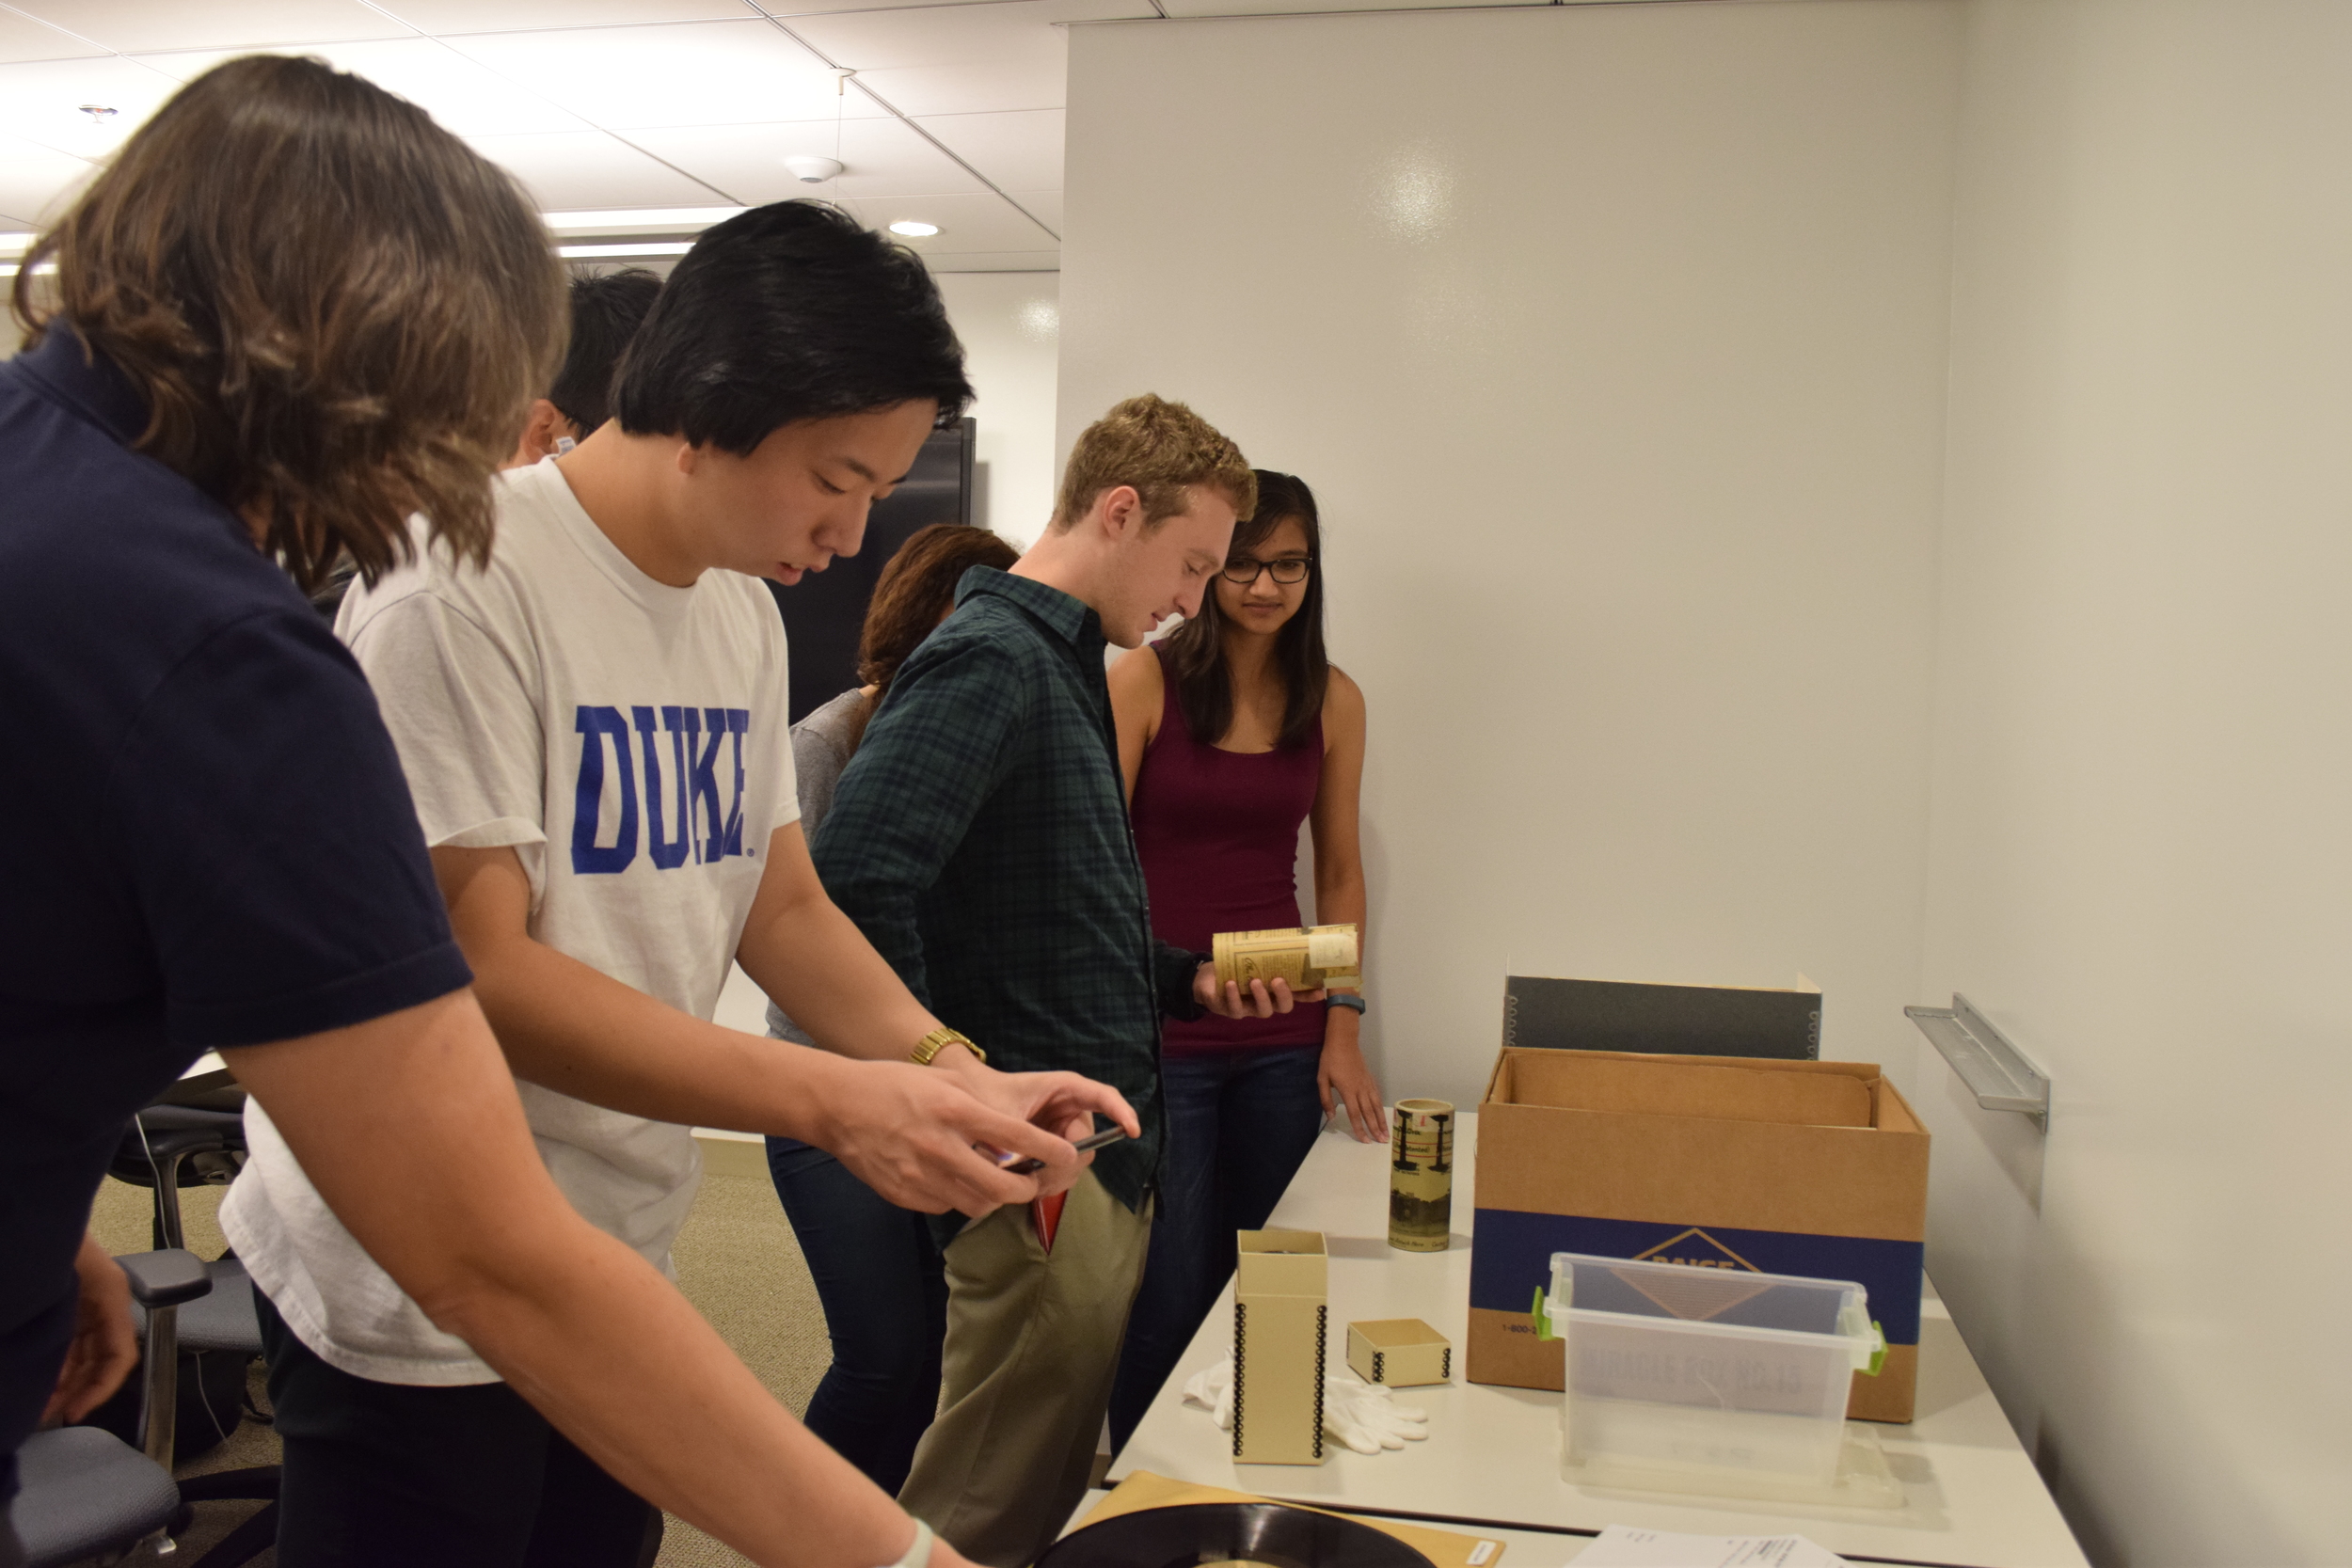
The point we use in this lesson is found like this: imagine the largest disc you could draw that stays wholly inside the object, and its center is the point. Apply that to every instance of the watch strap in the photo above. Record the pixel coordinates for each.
(927, 1050)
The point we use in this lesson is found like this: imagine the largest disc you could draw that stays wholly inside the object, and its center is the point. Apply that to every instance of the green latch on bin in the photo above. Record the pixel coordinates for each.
(1543, 1317)
(1878, 1356)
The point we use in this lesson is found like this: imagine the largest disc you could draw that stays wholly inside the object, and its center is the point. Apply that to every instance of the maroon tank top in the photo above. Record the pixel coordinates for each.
(1217, 832)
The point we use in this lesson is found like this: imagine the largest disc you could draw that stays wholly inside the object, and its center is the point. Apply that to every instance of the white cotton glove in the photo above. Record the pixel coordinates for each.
(1212, 1391)
(1362, 1415)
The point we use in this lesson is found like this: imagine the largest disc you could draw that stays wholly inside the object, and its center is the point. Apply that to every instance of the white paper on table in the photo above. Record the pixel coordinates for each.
(1623, 1546)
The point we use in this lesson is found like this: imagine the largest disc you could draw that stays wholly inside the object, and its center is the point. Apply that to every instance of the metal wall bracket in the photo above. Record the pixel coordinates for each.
(1996, 1072)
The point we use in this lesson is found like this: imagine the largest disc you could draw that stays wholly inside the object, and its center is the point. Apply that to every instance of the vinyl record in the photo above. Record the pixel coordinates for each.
(1199, 1534)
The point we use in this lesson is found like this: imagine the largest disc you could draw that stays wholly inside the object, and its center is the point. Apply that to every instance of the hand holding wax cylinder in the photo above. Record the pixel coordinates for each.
(1305, 957)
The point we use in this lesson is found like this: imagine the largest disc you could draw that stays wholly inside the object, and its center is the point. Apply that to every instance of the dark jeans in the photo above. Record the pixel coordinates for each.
(387, 1475)
(1239, 1125)
(878, 1271)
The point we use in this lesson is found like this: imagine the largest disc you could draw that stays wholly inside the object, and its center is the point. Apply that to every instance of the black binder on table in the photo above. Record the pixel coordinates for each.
(1676, 1021)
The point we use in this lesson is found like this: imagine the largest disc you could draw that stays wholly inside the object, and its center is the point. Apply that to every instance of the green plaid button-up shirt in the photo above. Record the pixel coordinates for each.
(979, 840)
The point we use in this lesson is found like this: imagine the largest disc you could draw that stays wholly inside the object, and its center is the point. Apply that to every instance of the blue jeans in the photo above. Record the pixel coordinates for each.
(1239, 1125)
(885, 1293)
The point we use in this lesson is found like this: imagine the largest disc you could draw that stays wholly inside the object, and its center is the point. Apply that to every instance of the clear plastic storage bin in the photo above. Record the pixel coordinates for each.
(1706, 1379)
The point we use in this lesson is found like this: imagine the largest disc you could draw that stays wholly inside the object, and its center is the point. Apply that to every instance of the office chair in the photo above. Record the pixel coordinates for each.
(84, 1492)
(168, 1147)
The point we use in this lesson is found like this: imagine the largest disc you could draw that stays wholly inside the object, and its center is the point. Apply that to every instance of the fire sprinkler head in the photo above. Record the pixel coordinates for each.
(812, 171)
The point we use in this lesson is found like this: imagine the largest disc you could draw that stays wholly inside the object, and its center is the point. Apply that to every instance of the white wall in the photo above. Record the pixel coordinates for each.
(2142, 798)
(1612, 339)
(1010, 323)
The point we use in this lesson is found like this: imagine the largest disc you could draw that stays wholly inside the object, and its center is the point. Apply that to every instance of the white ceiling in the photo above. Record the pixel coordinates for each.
(953, 117)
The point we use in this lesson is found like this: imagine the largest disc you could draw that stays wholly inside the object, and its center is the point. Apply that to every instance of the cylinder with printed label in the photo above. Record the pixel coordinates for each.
(1421, 1175)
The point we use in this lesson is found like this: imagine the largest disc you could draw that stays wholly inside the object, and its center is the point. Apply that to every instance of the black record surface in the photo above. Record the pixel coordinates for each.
(1195, 1533)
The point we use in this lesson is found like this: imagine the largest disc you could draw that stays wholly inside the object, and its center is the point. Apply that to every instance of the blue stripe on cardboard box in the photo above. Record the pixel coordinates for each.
(1511, 1259)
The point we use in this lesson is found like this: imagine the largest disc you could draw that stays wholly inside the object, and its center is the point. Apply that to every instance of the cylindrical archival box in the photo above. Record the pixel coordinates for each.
(1420, 1175)
(1308, 957)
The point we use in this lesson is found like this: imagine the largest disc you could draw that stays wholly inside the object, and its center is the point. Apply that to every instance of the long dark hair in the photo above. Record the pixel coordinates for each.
(1196, 650)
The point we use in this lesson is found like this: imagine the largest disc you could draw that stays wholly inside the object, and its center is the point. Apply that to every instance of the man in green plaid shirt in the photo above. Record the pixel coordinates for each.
(979, 840)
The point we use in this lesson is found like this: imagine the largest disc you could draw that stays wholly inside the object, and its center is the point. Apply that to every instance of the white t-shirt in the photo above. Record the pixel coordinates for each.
(628, 739)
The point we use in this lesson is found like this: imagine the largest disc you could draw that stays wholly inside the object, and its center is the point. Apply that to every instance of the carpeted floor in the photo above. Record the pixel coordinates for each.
(736, 1260)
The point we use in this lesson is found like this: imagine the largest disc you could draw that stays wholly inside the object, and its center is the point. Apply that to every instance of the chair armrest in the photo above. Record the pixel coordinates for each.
(165, 1278)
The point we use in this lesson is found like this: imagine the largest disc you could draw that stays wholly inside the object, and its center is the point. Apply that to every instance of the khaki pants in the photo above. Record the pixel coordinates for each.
(1033, 1340)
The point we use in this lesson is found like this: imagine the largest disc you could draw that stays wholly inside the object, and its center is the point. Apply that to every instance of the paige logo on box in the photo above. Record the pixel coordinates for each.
(1696, 1249)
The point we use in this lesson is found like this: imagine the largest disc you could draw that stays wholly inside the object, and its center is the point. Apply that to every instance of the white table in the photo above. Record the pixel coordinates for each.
(1973, 1499)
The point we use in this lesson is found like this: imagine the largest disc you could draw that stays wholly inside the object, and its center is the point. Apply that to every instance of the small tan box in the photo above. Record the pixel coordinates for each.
(1399, 1352)
(1280, 1316)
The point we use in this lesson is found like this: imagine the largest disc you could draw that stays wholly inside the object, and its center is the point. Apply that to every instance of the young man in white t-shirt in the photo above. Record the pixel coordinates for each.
(593, 724)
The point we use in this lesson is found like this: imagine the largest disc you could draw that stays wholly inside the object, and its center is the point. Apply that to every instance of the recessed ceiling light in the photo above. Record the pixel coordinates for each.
(913, 229)
(16, 245)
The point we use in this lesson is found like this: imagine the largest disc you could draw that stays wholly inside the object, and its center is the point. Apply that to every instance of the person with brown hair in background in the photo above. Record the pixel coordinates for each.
(876, 1265)
(1233, 731)
(980, 839)
(289, 314)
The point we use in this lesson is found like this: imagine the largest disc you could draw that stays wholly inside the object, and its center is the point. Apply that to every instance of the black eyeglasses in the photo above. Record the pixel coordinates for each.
(1288, 569)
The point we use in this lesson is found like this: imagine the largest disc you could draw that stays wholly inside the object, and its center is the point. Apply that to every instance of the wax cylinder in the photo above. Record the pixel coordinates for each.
(1421, 1175)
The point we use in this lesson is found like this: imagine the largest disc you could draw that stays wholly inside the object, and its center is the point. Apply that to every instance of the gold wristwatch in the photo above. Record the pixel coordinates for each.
(930, 1045)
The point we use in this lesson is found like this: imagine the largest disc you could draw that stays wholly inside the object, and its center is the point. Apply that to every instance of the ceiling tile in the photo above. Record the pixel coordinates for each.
(967, 223)
(976, 86)
(23, 39)
(1044, 206)
(1019, 150)
(502, 16)
(883, 158)
(588, 168)
(42, 103)
(36, 182)
(692, 73)
(133, 26)
(937, 35)
(463, 94)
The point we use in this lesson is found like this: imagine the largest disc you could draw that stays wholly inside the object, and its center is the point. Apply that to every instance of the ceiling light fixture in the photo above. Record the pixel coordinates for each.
(591, 252)
(913, 229)
(16, 245)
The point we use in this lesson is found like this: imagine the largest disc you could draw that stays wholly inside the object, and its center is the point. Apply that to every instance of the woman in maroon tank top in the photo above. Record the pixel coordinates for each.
(1232, 733)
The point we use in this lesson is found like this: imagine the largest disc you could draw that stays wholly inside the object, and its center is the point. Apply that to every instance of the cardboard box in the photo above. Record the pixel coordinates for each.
(1399, 1352)
(1811, 1168)
(1688, 1021)
(1280, 1314)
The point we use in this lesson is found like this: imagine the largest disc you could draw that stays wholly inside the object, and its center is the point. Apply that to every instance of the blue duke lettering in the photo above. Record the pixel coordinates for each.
(683, 820)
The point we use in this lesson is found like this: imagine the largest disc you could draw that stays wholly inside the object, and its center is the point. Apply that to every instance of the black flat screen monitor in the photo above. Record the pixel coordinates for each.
(824, 611)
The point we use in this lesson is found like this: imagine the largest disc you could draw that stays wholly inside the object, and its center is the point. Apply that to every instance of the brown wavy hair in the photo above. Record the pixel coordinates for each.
(337, 312)
(914, 592)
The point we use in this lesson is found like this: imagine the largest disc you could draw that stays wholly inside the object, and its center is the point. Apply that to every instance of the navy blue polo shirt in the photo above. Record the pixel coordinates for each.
(205, 837)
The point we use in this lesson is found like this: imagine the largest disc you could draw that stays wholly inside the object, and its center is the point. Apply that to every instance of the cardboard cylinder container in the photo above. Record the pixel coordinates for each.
(1307, 957)
(1817, 1169)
